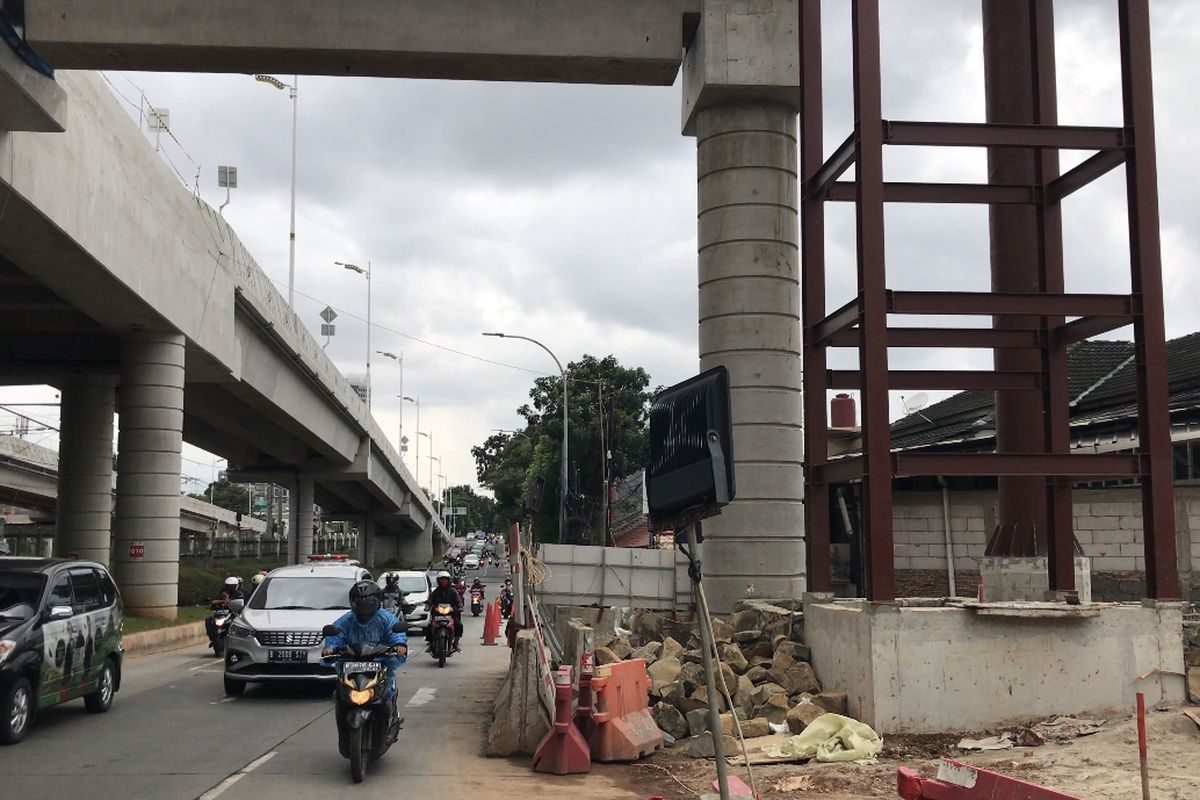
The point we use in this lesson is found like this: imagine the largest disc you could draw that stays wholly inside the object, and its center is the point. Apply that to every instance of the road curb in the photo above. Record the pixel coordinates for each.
(161, 640)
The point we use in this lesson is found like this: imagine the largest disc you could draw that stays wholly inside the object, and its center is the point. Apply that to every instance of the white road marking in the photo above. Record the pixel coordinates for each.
(224, 785)
(207, 664)
(423, 696)
(222, 700)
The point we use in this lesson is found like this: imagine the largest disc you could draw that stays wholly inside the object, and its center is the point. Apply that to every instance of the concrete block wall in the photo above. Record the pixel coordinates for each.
(1108, 525)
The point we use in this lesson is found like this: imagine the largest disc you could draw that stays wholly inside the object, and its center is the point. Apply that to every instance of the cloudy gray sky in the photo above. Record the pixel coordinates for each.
(567, 213)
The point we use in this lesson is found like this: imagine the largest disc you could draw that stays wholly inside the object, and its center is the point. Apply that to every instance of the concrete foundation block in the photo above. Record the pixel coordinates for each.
(1028, 578)
(520, 722)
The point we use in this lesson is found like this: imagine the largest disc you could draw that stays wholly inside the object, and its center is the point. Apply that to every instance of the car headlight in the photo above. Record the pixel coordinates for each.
(240, 630)
(7, 647)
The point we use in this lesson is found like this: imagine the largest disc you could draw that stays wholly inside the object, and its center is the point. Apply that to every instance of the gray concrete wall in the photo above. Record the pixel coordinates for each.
(927, 670)
(613, 576)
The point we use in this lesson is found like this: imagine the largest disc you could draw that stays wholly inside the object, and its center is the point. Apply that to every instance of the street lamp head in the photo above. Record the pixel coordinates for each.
(501, 335)
(385, 354)
(423, 433)
(409, 399)
(271, 81)
(352, 267)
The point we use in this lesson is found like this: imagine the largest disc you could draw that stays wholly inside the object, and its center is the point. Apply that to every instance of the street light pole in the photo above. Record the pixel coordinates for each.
(293, 93)
(367, 272)
(399, 359)
(562, 488)
(417, 403)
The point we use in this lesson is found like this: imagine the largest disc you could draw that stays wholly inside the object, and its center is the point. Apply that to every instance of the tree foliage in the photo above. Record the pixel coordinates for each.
(233, 496)
(480, 509)
(601, 394)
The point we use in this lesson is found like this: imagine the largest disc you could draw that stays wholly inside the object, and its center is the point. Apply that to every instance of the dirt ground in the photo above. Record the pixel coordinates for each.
(1103, 766)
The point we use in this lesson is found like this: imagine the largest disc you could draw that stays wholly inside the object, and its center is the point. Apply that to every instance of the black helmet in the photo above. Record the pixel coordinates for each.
(392, 579)
(365, 599)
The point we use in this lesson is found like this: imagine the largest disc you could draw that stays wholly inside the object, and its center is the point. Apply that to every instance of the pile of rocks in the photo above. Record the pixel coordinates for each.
(763, 667)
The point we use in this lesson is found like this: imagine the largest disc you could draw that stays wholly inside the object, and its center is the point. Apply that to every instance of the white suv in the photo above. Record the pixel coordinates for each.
(277, 636)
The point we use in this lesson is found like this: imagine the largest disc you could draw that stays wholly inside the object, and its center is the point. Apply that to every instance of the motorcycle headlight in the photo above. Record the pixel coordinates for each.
(361, 697)
(240, 630)
(7, 647)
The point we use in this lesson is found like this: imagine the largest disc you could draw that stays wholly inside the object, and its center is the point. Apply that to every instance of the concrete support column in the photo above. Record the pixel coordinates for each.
(367, 547)
(150, 446)
(750, 322)
(300, 520)
(85, 469)
(416, 547)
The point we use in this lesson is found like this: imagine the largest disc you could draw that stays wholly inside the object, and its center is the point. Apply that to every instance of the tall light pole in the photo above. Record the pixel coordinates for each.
(417, 403)
(367, 272)
(562, 487)
(433, 489)
(293, 91)
(399, 359)
(428, 436)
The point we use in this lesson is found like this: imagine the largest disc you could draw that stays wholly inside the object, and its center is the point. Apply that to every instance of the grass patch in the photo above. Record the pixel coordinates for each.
(187, 614)
(200, 580)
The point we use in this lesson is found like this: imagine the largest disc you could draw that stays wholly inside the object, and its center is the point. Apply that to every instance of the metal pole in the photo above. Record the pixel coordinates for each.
(292, 231)
(400, 441)
(714, 700)
(368, 335)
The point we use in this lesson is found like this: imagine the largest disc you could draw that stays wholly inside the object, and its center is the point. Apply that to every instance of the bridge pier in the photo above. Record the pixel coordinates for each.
(85, 469)
(150, 454)
(367, 545)
(300, 520)
(742, 112)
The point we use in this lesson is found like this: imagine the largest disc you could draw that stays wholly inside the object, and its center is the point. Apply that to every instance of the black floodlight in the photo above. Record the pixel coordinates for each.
(690, 474)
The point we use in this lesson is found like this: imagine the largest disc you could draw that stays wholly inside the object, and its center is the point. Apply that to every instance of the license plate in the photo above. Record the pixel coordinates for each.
(287, 655)
(362, 666)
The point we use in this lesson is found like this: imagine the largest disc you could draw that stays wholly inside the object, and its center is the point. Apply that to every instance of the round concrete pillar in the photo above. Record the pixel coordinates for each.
(368, 550)
(300, 520)
(149, 457)
(85, 468)
(750, 322)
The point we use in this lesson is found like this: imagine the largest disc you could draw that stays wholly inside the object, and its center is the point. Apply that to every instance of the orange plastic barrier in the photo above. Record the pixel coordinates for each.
(625, 731)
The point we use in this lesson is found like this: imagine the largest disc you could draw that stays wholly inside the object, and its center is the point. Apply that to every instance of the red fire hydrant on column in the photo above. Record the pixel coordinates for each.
(563, 751)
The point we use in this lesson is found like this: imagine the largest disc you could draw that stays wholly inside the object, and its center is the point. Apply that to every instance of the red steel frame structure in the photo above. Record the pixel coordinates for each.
(1030, 330)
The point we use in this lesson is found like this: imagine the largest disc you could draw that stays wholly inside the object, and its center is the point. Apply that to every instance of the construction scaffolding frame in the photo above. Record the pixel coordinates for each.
(1031, 329)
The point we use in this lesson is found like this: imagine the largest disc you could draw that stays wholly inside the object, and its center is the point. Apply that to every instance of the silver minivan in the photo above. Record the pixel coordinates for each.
(277, 635)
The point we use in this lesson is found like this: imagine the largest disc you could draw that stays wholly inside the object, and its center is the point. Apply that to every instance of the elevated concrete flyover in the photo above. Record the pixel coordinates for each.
(740, 65)
(131, 295)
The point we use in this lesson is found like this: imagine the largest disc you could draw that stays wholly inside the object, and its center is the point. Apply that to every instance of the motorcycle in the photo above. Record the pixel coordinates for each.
(441, 639)
(506, 604)
(476, 602)
(367, 721)
(222, 616)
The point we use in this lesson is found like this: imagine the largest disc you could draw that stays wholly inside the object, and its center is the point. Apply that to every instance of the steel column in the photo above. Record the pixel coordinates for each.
(812, 253)
(1149, 332)
(872, 287)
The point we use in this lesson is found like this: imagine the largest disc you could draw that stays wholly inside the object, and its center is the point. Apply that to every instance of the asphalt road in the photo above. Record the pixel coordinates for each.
(172, 733)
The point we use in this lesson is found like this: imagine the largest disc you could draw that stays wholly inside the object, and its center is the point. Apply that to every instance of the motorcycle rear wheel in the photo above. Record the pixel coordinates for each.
(358, 755)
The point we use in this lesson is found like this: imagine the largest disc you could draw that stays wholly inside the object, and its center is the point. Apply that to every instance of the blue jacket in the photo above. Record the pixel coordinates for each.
(377, 629)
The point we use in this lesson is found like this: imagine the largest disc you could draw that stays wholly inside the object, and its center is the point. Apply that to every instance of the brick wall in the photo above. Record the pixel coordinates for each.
(1108, 525)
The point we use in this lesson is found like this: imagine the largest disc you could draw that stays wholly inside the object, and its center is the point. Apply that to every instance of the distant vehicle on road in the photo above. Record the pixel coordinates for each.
(277, 636)
(60, 639)
(471, 561)
(416, 587)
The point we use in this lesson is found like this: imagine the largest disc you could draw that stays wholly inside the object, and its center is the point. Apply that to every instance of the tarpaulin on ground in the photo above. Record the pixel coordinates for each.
(832, 737)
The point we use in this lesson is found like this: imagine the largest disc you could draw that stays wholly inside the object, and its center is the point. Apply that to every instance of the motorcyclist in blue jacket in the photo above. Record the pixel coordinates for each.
(367, 621)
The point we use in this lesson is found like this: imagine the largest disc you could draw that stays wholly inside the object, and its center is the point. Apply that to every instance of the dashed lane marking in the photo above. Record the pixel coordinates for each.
(207, 664)
(224, 785)
(423, 696)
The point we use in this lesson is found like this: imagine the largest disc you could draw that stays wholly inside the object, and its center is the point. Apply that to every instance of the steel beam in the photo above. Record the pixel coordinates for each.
(818, 566)
(1149, 331)
(1082, 465)
(950, 193)
(970, 338)
(1075, 179)
(1009, 303)
(977, 134)
(937, 380)
(1087, 327)
(845, 317)
(837, 164)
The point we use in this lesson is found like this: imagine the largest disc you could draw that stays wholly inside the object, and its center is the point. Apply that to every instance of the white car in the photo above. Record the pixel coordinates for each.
(416, 587)
(471, 561)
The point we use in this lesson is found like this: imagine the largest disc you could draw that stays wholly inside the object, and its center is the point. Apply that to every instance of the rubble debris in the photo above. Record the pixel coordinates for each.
(1061, 728)
(669, 720)
(795, 676)
(702, 745)
(802, 715)
(1001, 741)
(833, 738)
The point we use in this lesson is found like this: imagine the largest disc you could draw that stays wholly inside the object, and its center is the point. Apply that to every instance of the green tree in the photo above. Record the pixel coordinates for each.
(233, 496)
(600, 392)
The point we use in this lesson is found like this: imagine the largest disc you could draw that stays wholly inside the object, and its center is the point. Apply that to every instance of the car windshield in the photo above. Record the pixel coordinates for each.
(285, 593)
(19, 594)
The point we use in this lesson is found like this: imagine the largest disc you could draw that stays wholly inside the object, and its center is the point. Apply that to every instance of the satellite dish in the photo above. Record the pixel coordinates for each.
(915, 403)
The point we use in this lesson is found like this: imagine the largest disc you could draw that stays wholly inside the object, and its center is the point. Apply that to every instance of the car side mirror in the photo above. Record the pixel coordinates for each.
(331, 630)
(400, 626)
(59, 612)
(236, 606)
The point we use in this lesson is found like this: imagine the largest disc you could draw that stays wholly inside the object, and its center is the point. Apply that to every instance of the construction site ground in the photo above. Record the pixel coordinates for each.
(1102, 766)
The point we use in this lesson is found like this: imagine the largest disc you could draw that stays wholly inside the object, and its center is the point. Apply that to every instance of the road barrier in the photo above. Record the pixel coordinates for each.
(491, 623)
(584, 712)
(563, 751)
(958, 781)
(625, 730)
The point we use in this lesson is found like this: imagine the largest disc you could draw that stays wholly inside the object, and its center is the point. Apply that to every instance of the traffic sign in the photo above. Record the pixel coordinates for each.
(328, 314)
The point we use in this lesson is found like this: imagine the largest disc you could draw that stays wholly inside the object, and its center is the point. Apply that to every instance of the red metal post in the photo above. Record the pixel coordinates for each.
(1010, 73)
(872, 285)
(1149, 331)
(812, 277)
